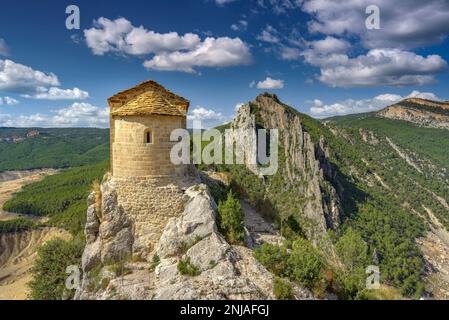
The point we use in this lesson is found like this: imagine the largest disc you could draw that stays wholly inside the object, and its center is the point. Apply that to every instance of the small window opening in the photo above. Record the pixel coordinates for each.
(148, 137)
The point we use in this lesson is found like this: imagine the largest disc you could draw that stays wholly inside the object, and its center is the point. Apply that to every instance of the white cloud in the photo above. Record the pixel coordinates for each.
(120, 36)
(389, 67)
(269, 34)
(4, 50)
(350, 106)
(212, 52)
(424, 95)
(75, 115)
(171, 51)
(16, 77)
(55, 93)
(237, 107)
(289, 53)
(329, 45)
(405, 24)
(242, 25)
(8, 101)
(19, 78)
(270, 83)
(223, 2)
(280, 6)
(209, 118)
(201, 114)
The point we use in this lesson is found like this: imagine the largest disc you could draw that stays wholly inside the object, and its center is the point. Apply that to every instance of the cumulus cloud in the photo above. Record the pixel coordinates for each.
(212, 52)
(350, 106)
(30, 83)
(16, 77)
(121, 36)
(4, 50)
(270, 83)
(171, 51)
(55, 93)
(8, 101)
(405, 24)
(389, 67)
(329, 45)
(75, 115)
(208, 117)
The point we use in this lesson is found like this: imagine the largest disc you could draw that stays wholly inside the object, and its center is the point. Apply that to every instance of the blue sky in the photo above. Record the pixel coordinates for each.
(316, 55)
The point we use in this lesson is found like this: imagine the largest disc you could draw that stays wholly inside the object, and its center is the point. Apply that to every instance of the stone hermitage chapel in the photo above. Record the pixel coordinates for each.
(150, 188)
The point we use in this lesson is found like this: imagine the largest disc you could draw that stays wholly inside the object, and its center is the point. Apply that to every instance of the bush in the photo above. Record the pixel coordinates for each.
(154, 263)
(282, 289)
(185, 267)
(231, 219)
(49, 271)
(273, 257)
(305, 263)
(17, 225)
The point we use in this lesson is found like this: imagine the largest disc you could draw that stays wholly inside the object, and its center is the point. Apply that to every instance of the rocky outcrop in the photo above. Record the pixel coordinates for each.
(221, 271)
(109, 235)
(422, 112)
(305, 166)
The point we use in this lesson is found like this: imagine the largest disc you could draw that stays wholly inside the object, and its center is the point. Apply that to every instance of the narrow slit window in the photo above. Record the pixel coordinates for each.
(148, 137)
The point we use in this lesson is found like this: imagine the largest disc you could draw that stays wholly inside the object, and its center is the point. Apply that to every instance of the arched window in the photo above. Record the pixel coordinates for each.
(148, 136)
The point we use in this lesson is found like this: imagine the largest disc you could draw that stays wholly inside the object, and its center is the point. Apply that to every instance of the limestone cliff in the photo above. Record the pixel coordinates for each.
(422, 112)
(219, 270)
(305, 176)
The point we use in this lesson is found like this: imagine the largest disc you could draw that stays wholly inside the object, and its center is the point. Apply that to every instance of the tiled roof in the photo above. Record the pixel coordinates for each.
(147, 98)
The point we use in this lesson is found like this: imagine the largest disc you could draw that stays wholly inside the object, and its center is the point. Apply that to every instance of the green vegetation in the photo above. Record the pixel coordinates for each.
(50, 269)
(375, 218)
(53, 148)
(298, 261)
(231, 220)
(16, 225)
(282, 289)
(62, 197)
(186, 267)
(154, 263)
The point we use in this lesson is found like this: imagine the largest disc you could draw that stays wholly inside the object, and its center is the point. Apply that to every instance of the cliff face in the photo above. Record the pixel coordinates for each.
(213, 269)
(304, 175)
(425, 113)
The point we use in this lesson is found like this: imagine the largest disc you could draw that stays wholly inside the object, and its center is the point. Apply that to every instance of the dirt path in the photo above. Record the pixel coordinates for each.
(260, 230)
(12, 182)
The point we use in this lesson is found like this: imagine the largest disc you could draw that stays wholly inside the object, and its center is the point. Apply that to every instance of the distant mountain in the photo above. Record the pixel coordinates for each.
(423, 112)
(34, 148)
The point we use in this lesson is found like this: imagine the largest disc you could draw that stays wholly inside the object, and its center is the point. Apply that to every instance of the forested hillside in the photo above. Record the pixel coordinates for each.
(34, 148)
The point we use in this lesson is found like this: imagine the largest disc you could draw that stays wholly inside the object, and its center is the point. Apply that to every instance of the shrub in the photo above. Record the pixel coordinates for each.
(49, 271)
(231, 219)
(305, 263)
(154, 262)
(282, 289)
(185, 267)
(273, 257)
(16, 225)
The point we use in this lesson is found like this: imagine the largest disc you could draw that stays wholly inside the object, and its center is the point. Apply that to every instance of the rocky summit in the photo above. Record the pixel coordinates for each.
(426, 113)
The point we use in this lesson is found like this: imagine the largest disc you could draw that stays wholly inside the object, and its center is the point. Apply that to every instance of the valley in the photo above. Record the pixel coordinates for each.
(358, 183)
